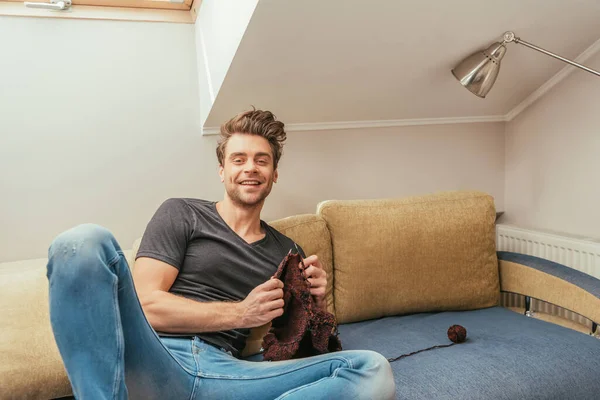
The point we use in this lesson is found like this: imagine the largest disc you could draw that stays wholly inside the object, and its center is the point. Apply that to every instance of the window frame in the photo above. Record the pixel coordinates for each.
(128, 10)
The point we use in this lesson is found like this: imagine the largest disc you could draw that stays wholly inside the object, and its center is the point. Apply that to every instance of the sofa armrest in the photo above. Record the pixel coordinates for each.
(550, 282)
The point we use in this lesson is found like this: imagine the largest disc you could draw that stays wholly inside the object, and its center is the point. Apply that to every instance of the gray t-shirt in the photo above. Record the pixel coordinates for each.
(214, 263)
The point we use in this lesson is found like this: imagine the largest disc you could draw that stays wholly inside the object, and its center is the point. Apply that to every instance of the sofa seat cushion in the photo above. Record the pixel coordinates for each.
(506, 356)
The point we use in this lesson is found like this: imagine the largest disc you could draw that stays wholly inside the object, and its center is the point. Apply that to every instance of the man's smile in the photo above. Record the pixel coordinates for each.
(250, 182)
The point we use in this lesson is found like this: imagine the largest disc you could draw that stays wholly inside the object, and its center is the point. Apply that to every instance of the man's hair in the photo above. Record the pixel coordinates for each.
(254, 122)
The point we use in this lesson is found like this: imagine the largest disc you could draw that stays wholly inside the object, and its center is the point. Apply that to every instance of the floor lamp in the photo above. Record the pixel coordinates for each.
(479, 71)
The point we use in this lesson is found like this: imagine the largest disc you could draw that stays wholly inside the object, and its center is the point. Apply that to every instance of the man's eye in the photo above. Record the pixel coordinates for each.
(262, 162)
(237, 160)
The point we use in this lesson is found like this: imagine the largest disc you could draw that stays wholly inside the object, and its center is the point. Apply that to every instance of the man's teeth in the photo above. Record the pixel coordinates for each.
(250, 183)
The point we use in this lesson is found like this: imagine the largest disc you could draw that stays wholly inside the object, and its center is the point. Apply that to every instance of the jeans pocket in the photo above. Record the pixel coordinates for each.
(182, 349)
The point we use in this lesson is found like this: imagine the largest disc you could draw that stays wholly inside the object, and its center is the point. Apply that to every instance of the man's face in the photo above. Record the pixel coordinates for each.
(247, 169)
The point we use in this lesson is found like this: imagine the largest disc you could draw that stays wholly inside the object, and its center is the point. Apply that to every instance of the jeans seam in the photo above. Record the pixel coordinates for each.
(194, 387)
(195, 354)
(117, 376)
(115, 259)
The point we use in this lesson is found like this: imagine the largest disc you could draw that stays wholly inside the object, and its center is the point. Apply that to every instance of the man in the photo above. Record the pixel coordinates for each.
(203, 276)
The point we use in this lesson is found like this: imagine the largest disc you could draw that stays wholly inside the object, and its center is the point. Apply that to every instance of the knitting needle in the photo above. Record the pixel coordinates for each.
(301, 258)
(301, 262)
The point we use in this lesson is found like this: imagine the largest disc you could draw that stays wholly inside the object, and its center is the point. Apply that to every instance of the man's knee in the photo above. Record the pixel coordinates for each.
(81, 244)
(382, 382)
(80, 238)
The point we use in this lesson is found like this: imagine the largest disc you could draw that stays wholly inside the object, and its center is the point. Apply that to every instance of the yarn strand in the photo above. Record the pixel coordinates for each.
(419, 351)
(456, 334)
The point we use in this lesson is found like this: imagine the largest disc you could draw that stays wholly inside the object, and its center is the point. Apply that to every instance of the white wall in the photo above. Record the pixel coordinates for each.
(553, 162)
(98, 123)
(117, 132)
(387, 162)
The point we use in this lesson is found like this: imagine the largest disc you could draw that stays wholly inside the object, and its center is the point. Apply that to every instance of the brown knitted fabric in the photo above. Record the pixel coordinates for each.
(303, 330)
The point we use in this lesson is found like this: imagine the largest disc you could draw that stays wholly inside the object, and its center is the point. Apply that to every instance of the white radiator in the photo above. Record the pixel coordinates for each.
(580, 254)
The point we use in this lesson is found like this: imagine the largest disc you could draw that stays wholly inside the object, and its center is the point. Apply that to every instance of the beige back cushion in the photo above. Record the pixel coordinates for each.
(311, 233)
(30, 364)
(134, 249)
(418, 254)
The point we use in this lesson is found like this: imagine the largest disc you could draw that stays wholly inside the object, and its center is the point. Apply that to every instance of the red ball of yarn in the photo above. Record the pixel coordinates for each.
(457, 334)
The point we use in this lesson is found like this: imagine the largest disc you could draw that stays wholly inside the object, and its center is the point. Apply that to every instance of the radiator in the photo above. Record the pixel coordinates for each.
(580, 254)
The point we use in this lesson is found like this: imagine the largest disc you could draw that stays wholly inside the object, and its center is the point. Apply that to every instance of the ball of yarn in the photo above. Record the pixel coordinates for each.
(457, 334)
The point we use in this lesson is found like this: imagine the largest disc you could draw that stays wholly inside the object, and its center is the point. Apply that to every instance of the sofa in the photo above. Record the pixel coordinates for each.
(400, 273)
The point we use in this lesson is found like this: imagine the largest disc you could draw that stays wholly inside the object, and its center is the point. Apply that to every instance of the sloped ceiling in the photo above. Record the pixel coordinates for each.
(315, 61)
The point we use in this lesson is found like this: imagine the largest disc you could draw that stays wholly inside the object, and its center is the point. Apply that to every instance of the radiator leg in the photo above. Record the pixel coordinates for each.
(528, 311)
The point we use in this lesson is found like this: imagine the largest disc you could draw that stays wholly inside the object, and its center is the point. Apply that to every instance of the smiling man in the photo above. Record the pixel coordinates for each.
(202, 279)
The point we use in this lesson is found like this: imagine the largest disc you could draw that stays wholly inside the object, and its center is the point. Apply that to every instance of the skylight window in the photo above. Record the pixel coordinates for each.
(179, 11)
(66, 4)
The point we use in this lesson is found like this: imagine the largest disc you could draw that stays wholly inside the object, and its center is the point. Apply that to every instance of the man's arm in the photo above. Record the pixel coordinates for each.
(167, 312)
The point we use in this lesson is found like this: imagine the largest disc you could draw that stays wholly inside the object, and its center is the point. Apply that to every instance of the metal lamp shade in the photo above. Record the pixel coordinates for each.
(479, 71)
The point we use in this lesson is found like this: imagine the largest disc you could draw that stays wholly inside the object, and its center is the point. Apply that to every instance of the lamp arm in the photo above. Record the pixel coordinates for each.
(510, 37)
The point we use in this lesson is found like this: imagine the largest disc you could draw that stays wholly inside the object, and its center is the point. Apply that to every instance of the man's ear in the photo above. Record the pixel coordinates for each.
(275, 176)
(221, 173)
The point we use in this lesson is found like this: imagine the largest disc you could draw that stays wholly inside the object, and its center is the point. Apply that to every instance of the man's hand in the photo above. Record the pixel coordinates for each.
(263, 304)
(317, 277)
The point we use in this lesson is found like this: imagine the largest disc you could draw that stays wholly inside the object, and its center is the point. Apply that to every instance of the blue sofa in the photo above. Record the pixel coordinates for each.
(403, 271)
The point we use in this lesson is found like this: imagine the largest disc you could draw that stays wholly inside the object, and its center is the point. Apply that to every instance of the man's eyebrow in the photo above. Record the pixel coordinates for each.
(262, 154)
(242, 154)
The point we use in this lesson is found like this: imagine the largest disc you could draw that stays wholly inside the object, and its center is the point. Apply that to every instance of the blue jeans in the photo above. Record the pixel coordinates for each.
(110, 351)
